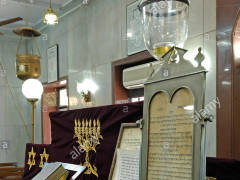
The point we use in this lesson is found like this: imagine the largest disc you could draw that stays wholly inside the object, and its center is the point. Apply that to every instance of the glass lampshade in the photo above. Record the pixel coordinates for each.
(50, 17)
(87, 85)
(165, 24)
(32, 89)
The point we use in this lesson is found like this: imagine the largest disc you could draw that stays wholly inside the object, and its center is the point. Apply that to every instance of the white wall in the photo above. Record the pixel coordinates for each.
(203, 34)
(11, 126)
(94, 36)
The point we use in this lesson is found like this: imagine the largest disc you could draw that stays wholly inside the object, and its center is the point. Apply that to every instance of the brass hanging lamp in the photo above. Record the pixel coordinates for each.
(27, 64)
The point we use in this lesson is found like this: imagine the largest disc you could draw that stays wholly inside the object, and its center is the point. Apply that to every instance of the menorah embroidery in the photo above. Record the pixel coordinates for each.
(88, 134)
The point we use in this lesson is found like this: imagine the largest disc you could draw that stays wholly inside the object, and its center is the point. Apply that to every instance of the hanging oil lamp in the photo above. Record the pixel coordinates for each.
(165, 25)
(27, 64)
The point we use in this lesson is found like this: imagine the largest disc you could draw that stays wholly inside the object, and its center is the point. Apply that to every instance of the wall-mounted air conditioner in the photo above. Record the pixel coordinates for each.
(135, 77)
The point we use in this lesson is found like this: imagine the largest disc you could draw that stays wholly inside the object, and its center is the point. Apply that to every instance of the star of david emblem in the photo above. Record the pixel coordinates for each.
(43, 156)
(31, 158)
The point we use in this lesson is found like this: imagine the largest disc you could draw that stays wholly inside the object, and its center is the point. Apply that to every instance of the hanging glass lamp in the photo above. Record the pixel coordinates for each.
(50, 16)
(165, 25)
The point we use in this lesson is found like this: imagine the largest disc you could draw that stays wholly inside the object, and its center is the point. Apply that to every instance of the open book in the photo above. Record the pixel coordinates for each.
(58, 171)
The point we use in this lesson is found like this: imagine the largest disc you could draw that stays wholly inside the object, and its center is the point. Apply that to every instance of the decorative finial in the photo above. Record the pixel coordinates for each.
(200, 57)
(173, 56)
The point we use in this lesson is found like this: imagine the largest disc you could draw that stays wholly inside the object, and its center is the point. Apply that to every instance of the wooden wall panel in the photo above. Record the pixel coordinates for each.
(48, 105)
(227, 78)
(236, 88)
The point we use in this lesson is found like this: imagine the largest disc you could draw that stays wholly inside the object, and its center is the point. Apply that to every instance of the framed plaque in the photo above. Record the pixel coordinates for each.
(173, 130)
(52, 55)
(129, 143)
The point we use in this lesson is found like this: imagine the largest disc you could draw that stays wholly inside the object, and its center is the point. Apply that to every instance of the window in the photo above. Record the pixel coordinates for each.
(62, 98)
(137, 99)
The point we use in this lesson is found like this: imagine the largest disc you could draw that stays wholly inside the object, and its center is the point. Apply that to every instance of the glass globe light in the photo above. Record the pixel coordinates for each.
(32, 89)
(165, 24)
(50, 16)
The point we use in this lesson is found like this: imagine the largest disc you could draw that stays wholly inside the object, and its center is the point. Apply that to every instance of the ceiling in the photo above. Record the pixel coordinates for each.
(30, 10)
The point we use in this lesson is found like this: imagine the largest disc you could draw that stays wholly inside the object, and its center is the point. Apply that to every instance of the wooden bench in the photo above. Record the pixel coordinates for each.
(10, 171)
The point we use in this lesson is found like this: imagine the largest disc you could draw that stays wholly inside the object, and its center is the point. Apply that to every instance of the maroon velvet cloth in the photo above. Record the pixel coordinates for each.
(223, 169)
(110, 118)
(38, 149)
(63, 143)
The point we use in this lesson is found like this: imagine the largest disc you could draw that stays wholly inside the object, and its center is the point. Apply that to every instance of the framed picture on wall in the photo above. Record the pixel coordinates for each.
(135, 42)
(52, 55)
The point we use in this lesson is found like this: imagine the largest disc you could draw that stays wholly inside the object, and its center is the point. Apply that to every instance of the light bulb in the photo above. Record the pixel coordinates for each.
(51, 18)
(87, 85)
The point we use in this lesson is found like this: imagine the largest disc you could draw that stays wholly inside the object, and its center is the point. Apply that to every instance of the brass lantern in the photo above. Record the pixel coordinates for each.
(27, 64)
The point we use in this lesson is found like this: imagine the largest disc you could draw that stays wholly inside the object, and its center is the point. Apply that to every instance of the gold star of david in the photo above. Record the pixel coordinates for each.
(43, 156)
(31, 158)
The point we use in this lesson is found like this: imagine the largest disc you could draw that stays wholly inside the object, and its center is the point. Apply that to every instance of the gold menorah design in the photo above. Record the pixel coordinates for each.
(88, 134)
